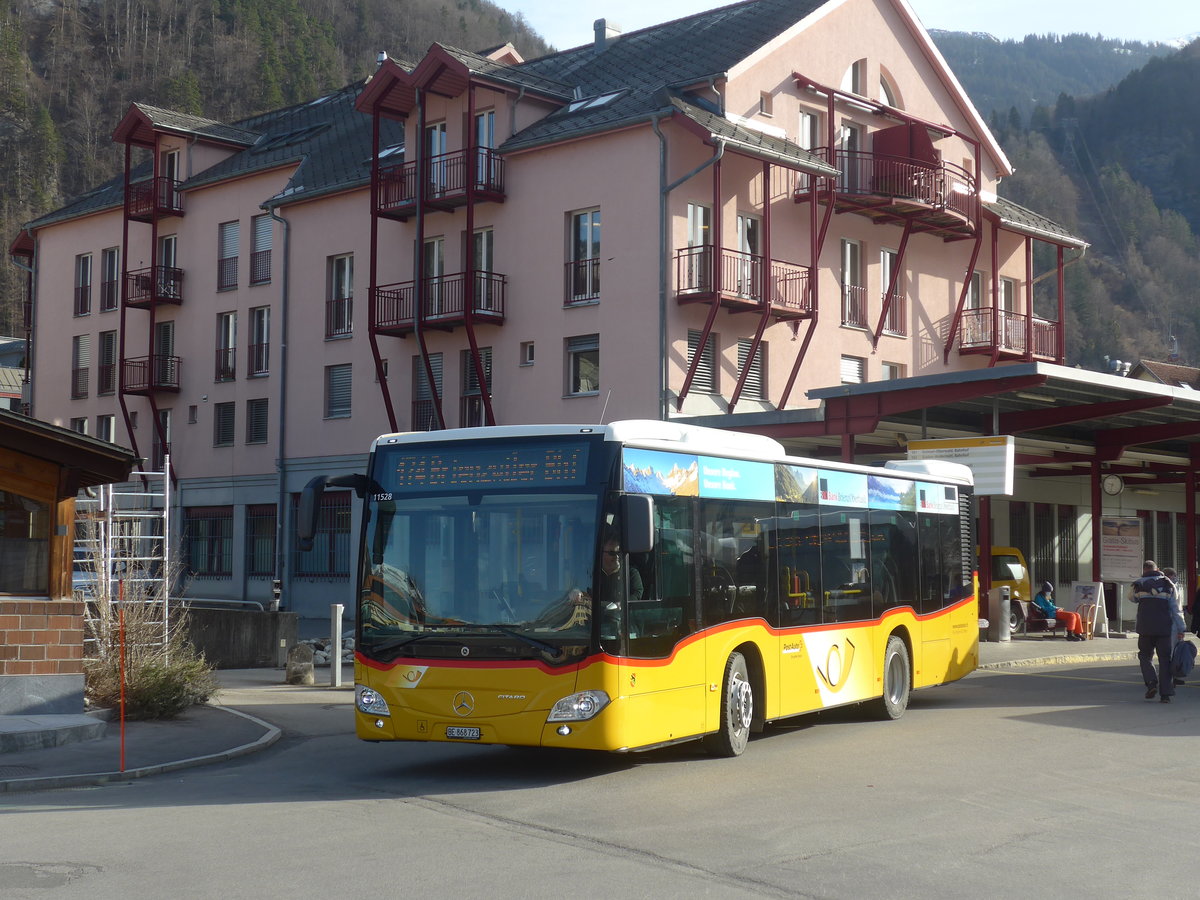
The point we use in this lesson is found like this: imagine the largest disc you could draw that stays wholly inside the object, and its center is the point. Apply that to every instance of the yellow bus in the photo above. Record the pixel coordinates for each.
(634, 585)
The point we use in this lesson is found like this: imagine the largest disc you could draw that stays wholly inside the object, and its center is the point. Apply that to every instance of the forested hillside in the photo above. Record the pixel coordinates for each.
(69, 70)
(1019, 75)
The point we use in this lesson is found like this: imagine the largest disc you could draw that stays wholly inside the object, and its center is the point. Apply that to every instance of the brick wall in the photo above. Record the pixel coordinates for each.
(41, 637)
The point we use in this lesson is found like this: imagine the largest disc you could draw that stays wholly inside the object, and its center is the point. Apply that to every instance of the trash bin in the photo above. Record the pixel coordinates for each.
(999, 599)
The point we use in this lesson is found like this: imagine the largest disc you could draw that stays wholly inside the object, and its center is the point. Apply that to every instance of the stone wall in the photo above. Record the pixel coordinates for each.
(41, 657)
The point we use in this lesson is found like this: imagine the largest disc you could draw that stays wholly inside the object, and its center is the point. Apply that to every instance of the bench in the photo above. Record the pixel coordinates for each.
(1036, 620)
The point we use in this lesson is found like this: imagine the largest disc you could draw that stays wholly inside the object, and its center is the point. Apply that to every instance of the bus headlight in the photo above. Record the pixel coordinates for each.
(369, 702)
(578, 707)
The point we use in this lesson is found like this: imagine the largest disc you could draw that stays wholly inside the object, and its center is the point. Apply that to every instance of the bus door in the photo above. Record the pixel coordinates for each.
(936, 593)
(662, 672)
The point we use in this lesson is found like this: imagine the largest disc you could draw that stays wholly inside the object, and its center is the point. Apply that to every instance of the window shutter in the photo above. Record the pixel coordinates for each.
(223, 419)
(705, 377)
(421, 389)
(753, 387)
(337, 386)
(262, 233)
(853, 370)
(470, 378)
(230, 238)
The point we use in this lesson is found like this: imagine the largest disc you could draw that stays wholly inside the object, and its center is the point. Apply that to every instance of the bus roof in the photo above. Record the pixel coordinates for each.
(681, 438)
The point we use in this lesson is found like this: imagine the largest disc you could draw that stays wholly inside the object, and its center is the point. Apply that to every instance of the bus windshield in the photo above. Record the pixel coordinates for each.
(516, 566)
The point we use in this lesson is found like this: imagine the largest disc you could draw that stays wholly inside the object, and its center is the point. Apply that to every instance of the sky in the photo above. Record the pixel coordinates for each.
(568, 23)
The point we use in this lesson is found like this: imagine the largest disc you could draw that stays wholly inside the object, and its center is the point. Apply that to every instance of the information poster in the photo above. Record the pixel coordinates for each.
(1121, 548)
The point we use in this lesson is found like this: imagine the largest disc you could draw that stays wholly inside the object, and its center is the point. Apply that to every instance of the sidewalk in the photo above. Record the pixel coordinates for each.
(231, 726)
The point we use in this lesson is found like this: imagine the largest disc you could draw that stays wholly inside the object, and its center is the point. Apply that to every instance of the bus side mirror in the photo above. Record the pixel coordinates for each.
(306, 513)
(637, 514)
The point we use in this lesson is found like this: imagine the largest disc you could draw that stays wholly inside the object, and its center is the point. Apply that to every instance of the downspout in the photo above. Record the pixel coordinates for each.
(281, 463)
(512, 111)
(30, 287)
(664, 249)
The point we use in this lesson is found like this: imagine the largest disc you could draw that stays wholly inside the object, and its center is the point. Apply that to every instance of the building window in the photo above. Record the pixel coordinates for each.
(260, 540)
(424, 410)
(527, 353)
(256, 421)
(1008, 295)
(765, 103)
(897, 315)
(81, 361)
(110, 279)
(339, 305)
(1068, 546)
(854, 78)
(854, 294)
(583, 257)
(471, 410)
(705, 379)
(260, 256)
(226, 368)
(583, 365)
(229, 235)
(975, 291)
(755, 385)
(223, 424)
(854, 370)
(381, 371)
(106, 428)
(337, 391)
(193, 414)
(161, 448)
(260, 341)
(26, 525)
(330, 553)
(208, 541)
(106, 373)
(83, 284)
(891, 371)
(79, 424)
(808, 133)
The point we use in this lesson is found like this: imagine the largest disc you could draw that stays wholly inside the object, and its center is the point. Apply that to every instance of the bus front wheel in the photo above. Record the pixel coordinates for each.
(737, 710)
(896, 679)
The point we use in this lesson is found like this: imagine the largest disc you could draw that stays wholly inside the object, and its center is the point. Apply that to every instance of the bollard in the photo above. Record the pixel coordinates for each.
(999, 604)
(335, 645)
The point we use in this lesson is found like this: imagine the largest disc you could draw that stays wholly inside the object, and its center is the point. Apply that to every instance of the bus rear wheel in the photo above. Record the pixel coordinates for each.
(737, 710)
(896, 680)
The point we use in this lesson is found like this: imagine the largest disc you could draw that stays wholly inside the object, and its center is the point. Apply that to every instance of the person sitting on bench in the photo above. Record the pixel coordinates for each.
(1071, 621)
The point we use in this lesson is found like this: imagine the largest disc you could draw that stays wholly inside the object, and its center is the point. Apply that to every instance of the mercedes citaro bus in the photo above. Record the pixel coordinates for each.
(634, 585)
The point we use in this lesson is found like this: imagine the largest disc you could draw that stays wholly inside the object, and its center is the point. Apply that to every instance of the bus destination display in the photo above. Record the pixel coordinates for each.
(479, 466)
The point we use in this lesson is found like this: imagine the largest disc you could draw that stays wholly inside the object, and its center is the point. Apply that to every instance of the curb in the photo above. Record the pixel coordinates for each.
(91, 779)
(1063, 659)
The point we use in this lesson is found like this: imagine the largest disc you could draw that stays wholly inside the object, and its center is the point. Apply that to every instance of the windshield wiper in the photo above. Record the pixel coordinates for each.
(398, 643)
(554, 652)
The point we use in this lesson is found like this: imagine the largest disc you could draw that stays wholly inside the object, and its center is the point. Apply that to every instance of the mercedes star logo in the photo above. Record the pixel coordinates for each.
(464, 704)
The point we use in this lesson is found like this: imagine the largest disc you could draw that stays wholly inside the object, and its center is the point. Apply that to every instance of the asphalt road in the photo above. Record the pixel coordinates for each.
(1058, 782)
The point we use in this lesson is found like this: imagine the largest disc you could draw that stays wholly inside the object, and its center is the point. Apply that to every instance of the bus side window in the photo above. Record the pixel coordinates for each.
(667, 611)
(799, 560)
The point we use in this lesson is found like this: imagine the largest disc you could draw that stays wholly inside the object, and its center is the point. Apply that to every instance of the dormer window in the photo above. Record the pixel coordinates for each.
(593, 102)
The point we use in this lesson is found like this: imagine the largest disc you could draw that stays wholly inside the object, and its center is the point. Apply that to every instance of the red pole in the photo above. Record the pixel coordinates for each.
(121, 651)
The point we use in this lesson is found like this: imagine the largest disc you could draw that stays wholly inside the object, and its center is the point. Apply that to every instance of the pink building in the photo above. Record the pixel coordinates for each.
(709, 217)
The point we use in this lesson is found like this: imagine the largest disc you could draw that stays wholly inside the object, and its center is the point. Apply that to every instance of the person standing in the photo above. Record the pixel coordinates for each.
(1044, 600)
(1159, 624)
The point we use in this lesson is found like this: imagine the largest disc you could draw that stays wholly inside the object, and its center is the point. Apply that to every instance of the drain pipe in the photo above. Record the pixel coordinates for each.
(281, 465)
(27, 388)
(664, 235)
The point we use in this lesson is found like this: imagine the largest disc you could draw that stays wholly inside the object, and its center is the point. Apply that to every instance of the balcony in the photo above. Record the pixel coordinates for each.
(153, 199)
(449, 176)
(339, 317)
(259, 359)
(443, 302)
(155, 284)
(582, 281)
(226, 364)
(150, 374)
(940, 198)
(1006, 335)
(746, 283)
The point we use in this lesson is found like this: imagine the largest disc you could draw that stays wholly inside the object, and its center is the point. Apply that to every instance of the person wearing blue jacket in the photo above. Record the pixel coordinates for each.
(1071, 621)
(1159, 624)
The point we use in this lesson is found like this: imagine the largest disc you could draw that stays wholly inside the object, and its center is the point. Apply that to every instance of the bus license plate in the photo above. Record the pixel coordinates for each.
(463, 734)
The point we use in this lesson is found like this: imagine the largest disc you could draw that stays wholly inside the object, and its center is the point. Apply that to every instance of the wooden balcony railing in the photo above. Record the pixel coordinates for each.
(146, 374)
(744, 277)
(145, 200)
(1003, 331)
(443, 301)
(156, 284)
(448, 176)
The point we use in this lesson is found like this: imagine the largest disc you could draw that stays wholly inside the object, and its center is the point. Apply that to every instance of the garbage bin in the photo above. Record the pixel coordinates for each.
(999, 600)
